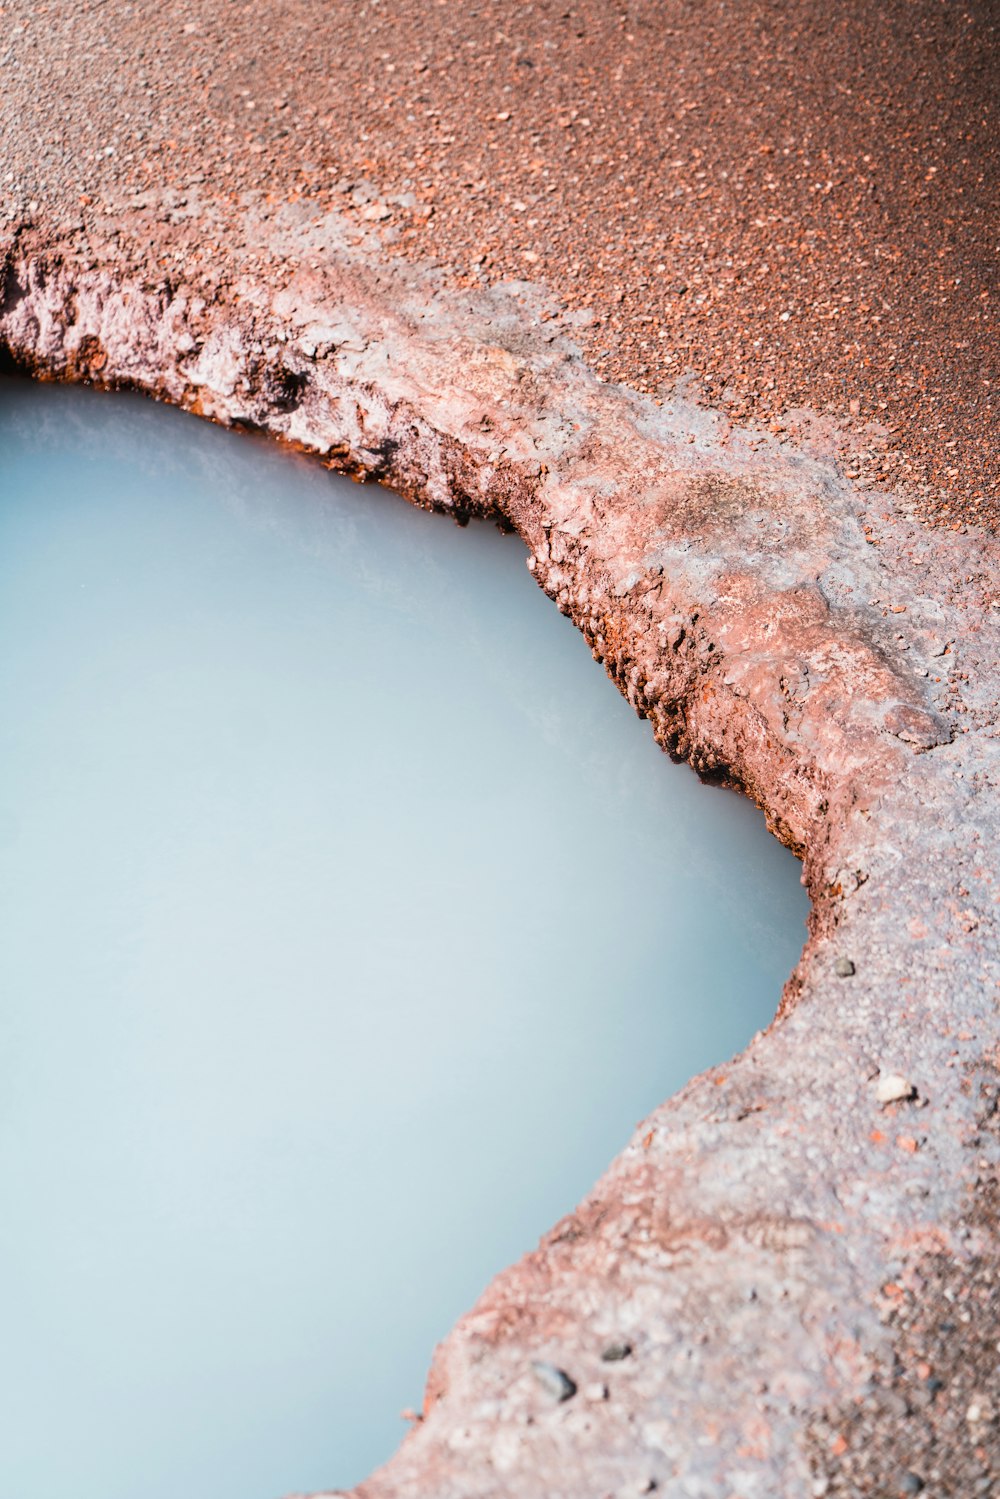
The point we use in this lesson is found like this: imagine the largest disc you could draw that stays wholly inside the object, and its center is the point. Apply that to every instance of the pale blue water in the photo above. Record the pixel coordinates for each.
(349, 921)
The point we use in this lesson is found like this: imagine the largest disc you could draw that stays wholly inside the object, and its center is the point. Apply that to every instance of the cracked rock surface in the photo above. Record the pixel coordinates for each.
(786, 1284)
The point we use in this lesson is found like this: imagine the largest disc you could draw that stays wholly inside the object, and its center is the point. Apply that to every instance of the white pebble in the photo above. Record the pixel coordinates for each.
(893, 1088)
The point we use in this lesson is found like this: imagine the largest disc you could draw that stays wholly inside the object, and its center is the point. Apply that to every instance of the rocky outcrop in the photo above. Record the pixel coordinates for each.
(754, 1286)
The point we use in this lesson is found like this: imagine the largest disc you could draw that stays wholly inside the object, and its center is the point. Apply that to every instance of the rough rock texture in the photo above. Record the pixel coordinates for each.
(778, 1254)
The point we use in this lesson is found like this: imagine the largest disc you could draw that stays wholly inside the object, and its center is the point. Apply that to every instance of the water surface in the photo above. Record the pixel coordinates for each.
(349, 921)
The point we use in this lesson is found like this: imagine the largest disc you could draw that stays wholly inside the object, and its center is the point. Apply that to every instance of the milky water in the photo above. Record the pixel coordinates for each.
(349, 922)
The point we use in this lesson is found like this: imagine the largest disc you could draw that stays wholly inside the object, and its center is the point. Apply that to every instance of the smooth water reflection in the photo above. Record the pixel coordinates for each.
(349, 921)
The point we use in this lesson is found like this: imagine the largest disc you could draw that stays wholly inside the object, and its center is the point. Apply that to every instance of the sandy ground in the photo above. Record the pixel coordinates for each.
(795, 202)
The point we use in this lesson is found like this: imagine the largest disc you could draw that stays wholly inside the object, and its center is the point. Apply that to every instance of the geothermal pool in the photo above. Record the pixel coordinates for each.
(349, 922)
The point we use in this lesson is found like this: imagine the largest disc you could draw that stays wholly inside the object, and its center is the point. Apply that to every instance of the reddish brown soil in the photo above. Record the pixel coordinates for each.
(795, 201)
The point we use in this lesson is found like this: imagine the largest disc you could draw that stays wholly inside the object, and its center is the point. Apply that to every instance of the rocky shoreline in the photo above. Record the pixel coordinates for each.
(787, 1246)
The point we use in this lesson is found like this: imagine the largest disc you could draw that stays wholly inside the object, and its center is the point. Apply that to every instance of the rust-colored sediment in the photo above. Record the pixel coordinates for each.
(804, 1273)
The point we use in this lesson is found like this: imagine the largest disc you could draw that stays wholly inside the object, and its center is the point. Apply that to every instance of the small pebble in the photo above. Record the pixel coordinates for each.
(981, 1410)
(595, 1392)
(615, 1352)
(843, 968)
(911, 1483)
(553, 1379)
(892, 1087)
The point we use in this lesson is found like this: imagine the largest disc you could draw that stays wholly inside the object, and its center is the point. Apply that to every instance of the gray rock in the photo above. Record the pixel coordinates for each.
(555, 1380)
